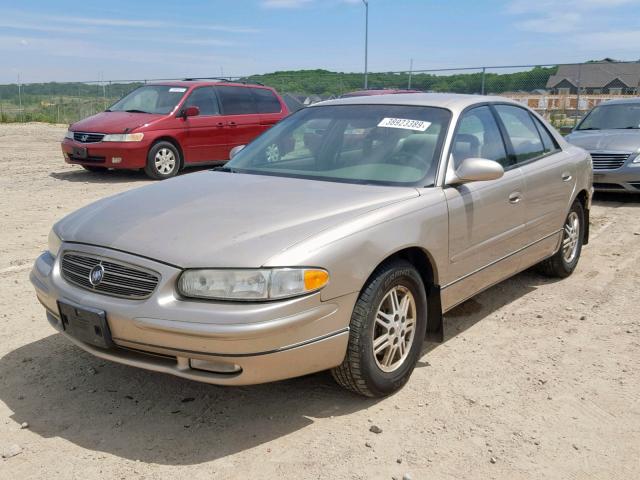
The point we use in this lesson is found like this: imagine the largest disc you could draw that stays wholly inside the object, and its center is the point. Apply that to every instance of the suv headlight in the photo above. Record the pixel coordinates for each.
(54, 243)
(249, 284)
(123, 137)
(69, 135)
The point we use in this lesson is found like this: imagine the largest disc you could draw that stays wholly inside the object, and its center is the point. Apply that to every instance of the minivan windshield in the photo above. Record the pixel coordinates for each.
(615, 116)
(377, 144)
(159, 99)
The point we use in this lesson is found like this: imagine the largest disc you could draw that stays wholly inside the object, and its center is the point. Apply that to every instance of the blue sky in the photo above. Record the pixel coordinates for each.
(62, 40)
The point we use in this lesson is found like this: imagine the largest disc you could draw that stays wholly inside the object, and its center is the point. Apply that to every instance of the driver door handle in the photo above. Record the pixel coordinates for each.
(566, 177)
(515, 197)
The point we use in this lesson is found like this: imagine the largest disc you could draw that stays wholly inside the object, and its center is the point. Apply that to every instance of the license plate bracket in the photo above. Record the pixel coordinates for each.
(80, 152)
(89, 325)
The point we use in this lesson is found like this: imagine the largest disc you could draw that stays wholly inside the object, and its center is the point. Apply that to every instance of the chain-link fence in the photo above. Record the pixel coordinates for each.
(561, 93)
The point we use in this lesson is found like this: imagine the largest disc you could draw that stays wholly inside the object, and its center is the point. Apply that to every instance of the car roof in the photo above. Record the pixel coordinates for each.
(451, 101)
(621, 101)
(200, 83)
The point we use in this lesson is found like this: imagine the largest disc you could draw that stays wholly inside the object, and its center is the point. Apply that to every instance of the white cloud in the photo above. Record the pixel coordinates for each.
(285, 3)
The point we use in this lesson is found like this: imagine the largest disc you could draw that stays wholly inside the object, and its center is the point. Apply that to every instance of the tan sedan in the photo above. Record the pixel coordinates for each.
(336, 240)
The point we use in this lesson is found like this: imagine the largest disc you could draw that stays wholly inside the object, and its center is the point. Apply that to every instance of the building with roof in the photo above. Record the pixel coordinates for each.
(607, 77)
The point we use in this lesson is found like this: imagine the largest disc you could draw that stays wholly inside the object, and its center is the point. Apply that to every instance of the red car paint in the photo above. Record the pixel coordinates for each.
(203, 138)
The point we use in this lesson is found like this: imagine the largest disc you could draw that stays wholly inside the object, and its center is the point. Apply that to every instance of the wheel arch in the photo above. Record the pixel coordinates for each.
(583, 198)
(175, 143)
(424, 263)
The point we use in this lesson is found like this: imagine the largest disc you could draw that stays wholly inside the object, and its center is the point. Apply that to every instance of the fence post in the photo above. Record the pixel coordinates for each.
(484, 69)
(577, 114)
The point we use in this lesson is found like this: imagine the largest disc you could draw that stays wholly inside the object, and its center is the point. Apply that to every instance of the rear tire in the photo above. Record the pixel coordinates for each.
(565, 260)
(387, 328)
(94, 169)
(163, 161)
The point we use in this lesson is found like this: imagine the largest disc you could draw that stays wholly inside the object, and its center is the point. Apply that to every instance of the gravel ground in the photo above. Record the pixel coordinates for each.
(537, 378)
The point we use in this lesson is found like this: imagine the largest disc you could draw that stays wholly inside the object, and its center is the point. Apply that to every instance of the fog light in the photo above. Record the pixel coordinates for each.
(116, 160)
(213, 366)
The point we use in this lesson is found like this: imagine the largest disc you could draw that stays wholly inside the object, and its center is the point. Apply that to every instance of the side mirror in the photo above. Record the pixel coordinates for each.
(475, 170)
(192, 111)
(234, 151)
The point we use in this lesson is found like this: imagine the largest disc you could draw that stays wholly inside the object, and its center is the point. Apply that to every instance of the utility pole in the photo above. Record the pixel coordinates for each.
(20, 98)
(410, 72)
(366, 43)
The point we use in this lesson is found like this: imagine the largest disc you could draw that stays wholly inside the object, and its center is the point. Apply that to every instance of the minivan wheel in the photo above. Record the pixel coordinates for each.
(564, 262)
(387, 328)
(163, 161)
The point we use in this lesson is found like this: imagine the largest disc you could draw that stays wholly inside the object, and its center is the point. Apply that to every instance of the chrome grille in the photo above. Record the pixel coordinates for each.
(119, 279)
(608, 161)
(83, 137)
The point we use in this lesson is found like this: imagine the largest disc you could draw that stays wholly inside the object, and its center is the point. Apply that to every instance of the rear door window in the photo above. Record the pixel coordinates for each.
(266, 101)
(550, 145)
(236, 100)
(522, 132)
(205, 99)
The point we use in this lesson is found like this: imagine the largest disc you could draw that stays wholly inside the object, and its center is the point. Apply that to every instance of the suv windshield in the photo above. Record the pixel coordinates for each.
(378, 144)
(617, 116)
(160, 99)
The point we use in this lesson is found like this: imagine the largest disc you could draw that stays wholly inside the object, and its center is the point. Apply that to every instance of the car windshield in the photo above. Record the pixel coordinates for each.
(377, 144)
(619, 116)
(160, 99)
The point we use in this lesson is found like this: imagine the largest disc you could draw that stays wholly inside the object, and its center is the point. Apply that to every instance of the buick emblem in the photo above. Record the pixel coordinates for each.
(84, 137)
(96, 275)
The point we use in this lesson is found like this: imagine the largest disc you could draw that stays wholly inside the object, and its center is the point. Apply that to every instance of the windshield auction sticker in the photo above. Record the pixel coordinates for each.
(177, 90)
(405, 123)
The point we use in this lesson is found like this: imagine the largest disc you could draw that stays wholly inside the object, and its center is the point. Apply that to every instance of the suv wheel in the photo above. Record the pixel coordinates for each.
(564, 262)
(163, 161)
(388, 326)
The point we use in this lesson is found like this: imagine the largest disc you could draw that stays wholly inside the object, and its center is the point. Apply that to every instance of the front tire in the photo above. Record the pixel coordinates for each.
(387, 329)
(565, 260)
(163, 161)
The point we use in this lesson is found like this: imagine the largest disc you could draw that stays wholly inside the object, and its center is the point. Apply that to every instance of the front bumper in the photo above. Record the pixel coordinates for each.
(108, 154)
(224, 343)
(623, 179)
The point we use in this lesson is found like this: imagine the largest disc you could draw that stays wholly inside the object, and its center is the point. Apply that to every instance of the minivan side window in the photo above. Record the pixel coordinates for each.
(478, 136)
(550, 144)
(205, 99)
(522, 132)
(266, 101)
(236, 100)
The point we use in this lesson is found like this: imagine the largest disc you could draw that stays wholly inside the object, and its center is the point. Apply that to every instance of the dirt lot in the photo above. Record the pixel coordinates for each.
(541, 376)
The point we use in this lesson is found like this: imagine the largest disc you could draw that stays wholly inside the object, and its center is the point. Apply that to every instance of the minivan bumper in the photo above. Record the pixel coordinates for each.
(107, 154)
(225, 343)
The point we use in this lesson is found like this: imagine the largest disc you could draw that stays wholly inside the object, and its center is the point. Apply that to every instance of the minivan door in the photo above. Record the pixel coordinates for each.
(205, 139)
(241, 117)
(486, 219)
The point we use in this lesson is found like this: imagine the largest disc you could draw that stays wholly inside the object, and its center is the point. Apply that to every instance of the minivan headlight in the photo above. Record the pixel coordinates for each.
(54, 243)
(69, 135)
(251, 284)
(123, 137)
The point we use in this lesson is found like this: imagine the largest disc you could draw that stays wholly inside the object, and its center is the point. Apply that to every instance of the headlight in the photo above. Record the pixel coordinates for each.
(259, 284)
(69, 135)
(123, 137)
(54, 243)
(636, 160)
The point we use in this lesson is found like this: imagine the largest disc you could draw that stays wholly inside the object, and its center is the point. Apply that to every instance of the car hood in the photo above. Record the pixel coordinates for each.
(115, 122)
(612, 140)
(219, 219)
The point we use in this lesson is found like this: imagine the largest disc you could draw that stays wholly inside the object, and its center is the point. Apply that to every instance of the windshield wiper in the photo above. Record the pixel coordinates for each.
(108, 110)
(589, 128)
(133, 110)
(224, 169)
(628, 128)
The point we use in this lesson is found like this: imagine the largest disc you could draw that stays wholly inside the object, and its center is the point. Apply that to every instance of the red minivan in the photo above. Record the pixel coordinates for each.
(163, 127)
